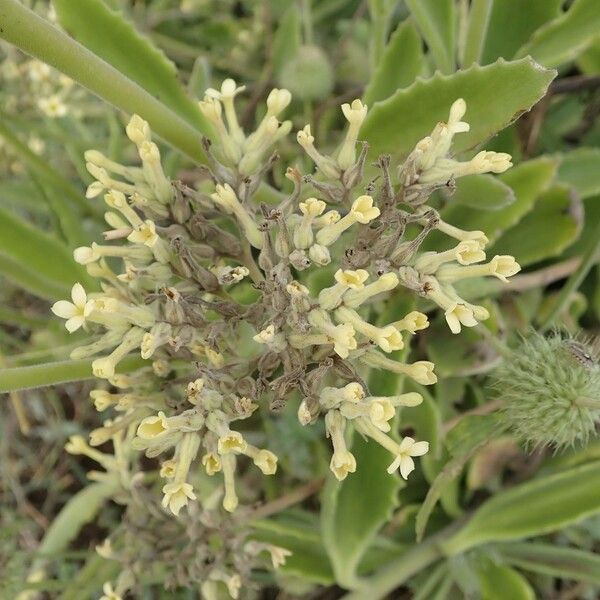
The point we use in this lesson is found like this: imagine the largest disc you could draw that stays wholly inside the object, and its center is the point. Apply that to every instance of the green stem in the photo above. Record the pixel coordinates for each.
(54, 373)
(37, 37)
(588, 260)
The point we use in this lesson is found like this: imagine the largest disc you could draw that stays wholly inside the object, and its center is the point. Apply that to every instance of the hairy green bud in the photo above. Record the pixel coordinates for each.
(550, 389)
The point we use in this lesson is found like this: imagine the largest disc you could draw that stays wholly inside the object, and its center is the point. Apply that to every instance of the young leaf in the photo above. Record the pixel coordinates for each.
(436, 20)
(511, 24)
(496, 95)
(37, 37)
(566, 36)
(539, 506)
(499, 582)
(553, 560)
(287, 38)
(88, 21)
(558, 210)
(402, 62)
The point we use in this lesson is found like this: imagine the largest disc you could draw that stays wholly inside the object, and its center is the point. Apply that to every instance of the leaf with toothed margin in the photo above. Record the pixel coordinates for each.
(496, 95)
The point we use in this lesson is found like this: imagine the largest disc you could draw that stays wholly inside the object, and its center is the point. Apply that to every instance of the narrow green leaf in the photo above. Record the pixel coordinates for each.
(401, 64)
(32, 280)
(511, 24)
(287, 39)
(471, 431)
(38, 252)
(114, 39)
(41, 168)
(37, 37)
(580, 169)
(482, 192)
(499, 582)
(539, 506)
(436, 20)
(496, 95)
(566, 36)
(479, 18)
(54, 373)
(553, 560)
(558, 210)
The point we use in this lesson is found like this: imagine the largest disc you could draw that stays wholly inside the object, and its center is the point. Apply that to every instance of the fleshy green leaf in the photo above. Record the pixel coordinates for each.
(348, 526)
(499, 582)
(539, 506)
(580, 169)
(89, 21)
(496, 95)
(436, 20)
(309, 559)
(482, 192)
(558, 210)
(511, 24)
(54, 373)
(39, 38)
(566, 36)
(401, 63)
(553, 560)
(43, 256)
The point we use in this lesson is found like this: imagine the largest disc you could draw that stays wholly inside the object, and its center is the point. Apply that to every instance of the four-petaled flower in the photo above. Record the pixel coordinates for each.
(407, 449)
(75, 312)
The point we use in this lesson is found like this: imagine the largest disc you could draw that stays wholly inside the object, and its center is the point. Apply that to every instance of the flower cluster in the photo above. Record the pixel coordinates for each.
(210, 287)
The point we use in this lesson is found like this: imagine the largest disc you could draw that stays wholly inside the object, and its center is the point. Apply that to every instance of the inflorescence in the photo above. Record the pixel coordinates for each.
(209, 286)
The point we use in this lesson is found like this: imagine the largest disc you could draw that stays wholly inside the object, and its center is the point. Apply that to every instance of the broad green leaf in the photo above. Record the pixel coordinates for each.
(54, 373)
(479, 18)
(401, 63)
(496, 95)
(580, 169)
(37, 37)
(499, 582)
(436, 20)
(349, 527)
(482, 192)
(309, 559)
(539, 506)
(452, 354)
(566, 36)
(553, 560)
(527, 180)
(90, 21)
(511, 24)
(39, 252)
(558, 210)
